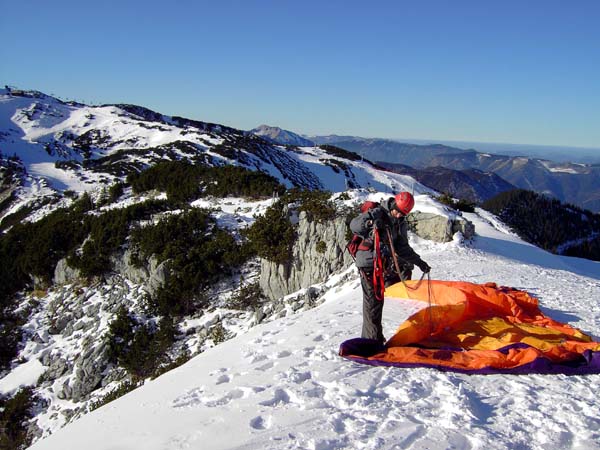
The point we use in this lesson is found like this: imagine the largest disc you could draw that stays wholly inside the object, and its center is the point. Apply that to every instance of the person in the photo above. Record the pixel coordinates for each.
(389, 219)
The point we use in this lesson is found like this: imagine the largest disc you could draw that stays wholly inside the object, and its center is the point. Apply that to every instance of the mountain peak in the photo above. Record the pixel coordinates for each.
(280, 136)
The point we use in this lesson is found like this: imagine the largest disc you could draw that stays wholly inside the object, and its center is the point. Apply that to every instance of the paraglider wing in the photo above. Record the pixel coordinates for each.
(478, 328)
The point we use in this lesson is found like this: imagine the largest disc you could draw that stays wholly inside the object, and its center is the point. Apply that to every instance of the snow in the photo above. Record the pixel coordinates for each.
(42, 130)
(60, 179)
(570, 168)
(25, 374)
(282, 385)
(233, 212)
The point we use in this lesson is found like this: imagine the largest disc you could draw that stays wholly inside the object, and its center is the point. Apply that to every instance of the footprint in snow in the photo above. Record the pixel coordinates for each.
(308, 351)
(223, 379)
(338, 423)
(266, 366)
(226, 399)
(280, 397)
(321, 338)
(189, 399)
(294, 376)
(261, 423)
(254, 358)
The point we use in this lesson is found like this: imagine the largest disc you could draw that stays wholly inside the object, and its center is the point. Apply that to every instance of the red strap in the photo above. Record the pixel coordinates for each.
(378, 281)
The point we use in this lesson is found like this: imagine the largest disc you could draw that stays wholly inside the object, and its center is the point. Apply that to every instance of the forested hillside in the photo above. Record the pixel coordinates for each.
(555, 226)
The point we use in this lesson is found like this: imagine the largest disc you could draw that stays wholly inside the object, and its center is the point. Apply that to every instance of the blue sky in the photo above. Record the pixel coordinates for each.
(512, 71)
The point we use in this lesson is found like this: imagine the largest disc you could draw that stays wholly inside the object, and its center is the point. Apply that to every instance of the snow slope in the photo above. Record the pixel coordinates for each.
(283, 386)
(58, 143)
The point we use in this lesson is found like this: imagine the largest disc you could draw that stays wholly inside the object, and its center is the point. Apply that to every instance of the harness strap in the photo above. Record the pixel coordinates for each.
(378, 278)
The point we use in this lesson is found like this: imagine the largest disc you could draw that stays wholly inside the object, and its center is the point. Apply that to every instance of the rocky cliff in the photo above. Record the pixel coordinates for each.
(319, 250)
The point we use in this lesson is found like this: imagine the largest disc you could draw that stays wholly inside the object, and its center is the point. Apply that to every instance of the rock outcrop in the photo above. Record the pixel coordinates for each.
(319, 250)
(151, 274)
(439, 228)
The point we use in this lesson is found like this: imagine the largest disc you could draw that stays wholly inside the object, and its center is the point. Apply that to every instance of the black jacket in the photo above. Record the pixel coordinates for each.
(363, 226)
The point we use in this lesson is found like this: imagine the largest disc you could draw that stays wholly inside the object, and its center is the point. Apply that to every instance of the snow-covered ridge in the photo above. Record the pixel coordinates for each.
(280, 136)
(571, 168)
(75, 147)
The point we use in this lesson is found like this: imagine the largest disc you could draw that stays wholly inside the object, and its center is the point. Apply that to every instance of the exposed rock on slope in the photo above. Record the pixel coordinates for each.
(312, 262)
(319, 250)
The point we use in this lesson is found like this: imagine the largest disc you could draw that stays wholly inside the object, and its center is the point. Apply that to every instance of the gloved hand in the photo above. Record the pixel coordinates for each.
(378, 216)
(424, 267)
(377, 213)
(378, 223)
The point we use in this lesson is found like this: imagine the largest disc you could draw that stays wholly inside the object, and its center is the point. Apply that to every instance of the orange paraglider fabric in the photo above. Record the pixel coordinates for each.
(478, 328)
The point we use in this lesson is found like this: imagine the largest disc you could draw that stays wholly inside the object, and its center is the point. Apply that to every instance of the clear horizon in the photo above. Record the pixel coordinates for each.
(524, 74)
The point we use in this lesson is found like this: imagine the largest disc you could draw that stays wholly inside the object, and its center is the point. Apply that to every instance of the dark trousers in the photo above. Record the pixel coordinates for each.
(373, 308)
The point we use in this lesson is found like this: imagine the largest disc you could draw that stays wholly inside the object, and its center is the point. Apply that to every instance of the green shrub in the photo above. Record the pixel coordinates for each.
(115, 192)
(199, 253)
(184, 182)
(32, 249)
(111, 194)
(179, 361)
(272, 234)
(35, 248)
(545, 221)
(122, 389)
(107, 234)
(340, 152)
(15, 218)
(10, 338)
(139, 348)
(321, 247)
(249, 297)
(589, 248)
(461, 204)
(15, 412)
(83, 204)
(316, 204)
(219, 334)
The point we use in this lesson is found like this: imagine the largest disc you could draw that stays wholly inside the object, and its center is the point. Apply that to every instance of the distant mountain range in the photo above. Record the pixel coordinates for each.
(572, 183)
(464, 173)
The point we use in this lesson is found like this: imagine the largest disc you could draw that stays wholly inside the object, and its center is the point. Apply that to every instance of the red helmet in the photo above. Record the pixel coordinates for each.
(404, 202)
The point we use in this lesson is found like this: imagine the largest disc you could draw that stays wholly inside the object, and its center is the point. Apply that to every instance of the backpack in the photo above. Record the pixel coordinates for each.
(356, 242)
(368, 205)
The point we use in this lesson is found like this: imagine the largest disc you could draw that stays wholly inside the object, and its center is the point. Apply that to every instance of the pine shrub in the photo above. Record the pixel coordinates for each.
(460, 204)
(183, 181)
(249, 297)
(272, 235)
(122, 389)
(15, 412)
(198, 254)
(138, 347)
